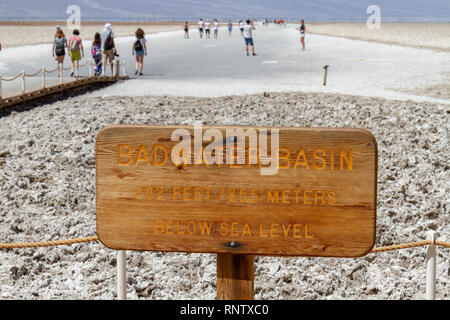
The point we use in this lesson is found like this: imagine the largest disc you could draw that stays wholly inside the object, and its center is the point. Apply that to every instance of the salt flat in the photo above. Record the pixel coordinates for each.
(211, 68)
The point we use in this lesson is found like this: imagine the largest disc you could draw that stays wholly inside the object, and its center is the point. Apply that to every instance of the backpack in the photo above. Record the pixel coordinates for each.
(59, 48)
(74, 44)
(138, 45)
(109, 42)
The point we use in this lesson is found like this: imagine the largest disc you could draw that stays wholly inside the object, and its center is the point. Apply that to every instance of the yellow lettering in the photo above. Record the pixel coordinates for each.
(261, 234)
(331, 198)
(347, 158)
(155, 155)
(142, 152)
(297, 229)
(233, 229)
(304, 162)
(305, 194)
(120, 154)
(321, 158)
(286, 232)
(205, 228)
(246, 230)
(284, 195)
(273, 230)
(272, 197)
(306, 232)
(223, 229)
(159, 226)
(192, 227)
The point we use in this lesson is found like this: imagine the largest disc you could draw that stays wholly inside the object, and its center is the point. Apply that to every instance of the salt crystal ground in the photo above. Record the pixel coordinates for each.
(47, 166)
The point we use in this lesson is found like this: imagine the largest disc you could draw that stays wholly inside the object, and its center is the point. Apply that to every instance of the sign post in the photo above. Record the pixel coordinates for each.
(237, 192)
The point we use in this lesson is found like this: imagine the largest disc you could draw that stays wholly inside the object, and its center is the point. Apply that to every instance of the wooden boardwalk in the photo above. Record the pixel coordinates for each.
(57, 89)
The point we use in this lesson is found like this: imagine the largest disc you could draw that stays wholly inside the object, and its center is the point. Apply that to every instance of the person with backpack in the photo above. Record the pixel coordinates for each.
(108, 47)
(59, 49)
(139, 49)
(76, 50)
(96, 51)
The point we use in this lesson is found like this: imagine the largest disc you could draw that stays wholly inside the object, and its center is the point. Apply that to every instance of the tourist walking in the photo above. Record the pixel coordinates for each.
(241, 26)
(108, 48)
(139, 49)
(96, 52)
(302, 33)
(230, 27)
(216, 29)
(186, 30)
(59, 49)
(207, 29)
(248, 36)
(201, 25)
(76, 51)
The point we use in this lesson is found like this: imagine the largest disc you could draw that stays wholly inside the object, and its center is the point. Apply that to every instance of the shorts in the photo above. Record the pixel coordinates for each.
(302, 35)
(75, 55)
(107, 54)
(248, 41)
(200, 29)
(139, 53)
(229, 29)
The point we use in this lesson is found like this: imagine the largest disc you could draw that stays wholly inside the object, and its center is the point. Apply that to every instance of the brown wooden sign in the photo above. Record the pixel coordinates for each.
(156, 192)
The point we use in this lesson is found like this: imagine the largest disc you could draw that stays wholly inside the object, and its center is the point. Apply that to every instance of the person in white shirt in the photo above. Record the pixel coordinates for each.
(248, 36)
(216, 29)
(200, 27)
(207, 29)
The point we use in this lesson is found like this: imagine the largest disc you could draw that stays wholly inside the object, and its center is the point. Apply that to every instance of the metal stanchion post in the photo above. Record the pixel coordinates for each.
(431, 266)
(121, 275)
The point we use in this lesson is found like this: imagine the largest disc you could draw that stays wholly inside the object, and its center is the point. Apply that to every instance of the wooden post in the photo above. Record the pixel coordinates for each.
(235, 275)
(325, 75)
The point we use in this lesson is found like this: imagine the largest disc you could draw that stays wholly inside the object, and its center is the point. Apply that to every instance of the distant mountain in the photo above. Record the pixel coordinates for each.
(157, 10)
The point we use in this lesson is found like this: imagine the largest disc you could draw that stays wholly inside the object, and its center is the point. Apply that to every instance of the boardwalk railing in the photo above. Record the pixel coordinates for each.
(59, 69)
(431, 253)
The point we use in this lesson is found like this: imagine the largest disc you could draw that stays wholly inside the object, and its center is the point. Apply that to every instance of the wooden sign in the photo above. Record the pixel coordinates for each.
(319, 201)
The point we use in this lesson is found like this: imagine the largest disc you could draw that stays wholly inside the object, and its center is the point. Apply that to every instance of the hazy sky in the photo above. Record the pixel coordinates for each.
(311, 10)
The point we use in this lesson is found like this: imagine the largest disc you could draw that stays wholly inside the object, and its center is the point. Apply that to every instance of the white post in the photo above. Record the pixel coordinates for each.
(431, 267)
(121, 275)
(124, 68)
(43, 77)
(60, 73)
(117, 75)
(90, 67)
(23, 81)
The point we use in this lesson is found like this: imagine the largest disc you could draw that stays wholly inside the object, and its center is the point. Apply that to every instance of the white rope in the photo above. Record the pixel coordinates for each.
(34, 74)
(12, 79)
(51, 71)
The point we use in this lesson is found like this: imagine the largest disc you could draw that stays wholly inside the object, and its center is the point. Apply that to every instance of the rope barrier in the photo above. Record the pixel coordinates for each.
(95, 238)
(32, 75)
(47, 243)
(12, 79)
(51, 71)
